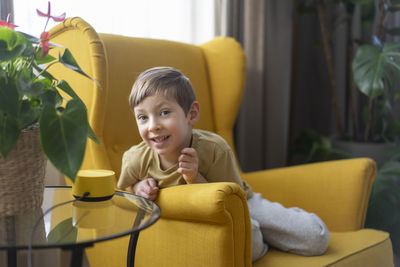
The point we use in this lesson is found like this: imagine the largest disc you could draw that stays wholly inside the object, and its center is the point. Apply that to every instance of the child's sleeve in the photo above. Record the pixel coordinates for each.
(129, 170)
(224, 169)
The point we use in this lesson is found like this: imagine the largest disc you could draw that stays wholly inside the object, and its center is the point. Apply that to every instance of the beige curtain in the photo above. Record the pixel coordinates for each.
(264, 28)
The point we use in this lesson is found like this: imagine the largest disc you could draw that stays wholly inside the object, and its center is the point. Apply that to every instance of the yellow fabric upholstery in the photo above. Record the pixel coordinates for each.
(341, 189)
(362, 248)
(208, 224)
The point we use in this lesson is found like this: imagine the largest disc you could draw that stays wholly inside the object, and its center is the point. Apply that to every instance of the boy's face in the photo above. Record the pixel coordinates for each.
(164, 126)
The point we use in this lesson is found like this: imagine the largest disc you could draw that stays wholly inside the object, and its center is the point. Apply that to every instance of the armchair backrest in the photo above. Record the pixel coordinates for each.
(216, 70)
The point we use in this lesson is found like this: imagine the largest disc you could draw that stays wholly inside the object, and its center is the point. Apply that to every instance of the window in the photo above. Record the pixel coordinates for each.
(190, 21)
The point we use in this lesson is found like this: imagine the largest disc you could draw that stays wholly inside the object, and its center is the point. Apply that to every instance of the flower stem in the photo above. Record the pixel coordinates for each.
(47, 67)
(45, 26)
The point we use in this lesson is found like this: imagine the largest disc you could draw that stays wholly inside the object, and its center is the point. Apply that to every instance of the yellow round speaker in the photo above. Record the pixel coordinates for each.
(97, 184)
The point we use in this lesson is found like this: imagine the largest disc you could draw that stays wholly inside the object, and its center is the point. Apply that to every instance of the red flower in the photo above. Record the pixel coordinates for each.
(44, 40)
(55, 18)
(45, 36)
(7, 23)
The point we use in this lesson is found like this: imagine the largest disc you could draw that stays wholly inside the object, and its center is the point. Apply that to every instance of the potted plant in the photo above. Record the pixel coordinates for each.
(371, 65)
(30, 101)
(384, 204)
(373, 68)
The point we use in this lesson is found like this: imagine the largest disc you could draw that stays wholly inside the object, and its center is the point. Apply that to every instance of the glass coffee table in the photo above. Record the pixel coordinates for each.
(77, 224)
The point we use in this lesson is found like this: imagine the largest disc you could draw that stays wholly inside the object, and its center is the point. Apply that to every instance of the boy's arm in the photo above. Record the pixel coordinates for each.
(129, 171)
(146, 188)
(130, 180)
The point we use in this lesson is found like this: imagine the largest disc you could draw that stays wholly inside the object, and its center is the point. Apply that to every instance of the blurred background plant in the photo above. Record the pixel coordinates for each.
(310, 146)
(371, 112)
(384, 205)
(372, 65)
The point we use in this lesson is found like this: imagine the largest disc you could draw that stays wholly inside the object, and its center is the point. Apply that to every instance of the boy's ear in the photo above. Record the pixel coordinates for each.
(194, 113)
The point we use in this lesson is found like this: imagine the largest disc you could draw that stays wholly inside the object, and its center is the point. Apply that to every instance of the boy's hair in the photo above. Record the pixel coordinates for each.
(164, 80)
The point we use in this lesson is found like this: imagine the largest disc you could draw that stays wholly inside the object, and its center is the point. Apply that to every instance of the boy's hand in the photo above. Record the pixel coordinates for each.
(189, 166)
(146, 188)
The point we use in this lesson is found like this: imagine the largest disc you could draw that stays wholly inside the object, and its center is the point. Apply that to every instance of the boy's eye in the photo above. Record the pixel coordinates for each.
(141, 117)
(165, 112)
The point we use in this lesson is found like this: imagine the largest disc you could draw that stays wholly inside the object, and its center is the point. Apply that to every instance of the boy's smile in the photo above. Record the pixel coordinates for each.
(159, 142)
(165, 127)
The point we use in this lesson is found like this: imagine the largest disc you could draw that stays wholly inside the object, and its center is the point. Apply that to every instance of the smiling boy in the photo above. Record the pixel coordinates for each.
(173, 153)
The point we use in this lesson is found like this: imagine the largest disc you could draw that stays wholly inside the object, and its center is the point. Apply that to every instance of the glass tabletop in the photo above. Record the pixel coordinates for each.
(77, 222)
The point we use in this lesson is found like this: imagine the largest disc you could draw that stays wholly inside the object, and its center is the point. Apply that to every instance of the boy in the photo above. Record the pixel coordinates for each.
(173, 153)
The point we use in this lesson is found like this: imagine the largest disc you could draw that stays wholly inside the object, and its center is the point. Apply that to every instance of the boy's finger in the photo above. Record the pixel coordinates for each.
(145, 189)
(188, 178)
(150, 189)
(153, 190)
(184, 171)
(151, 182)
(189, 151)
(186, 165)
(186, 158)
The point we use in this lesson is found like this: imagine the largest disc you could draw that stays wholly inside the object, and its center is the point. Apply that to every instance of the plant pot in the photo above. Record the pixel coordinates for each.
(372, 150)
(22, 175)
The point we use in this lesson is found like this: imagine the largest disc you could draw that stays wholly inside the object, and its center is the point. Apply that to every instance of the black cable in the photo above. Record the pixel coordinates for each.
(40, 218)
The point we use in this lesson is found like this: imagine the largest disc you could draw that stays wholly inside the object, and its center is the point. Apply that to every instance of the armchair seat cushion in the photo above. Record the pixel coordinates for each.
(361, 248)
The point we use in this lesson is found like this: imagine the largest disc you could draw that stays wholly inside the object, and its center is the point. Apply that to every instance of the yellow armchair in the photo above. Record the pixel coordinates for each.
(208, 224)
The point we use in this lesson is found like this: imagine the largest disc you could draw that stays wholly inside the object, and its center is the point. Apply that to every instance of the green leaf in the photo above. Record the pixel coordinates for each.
(31, 38)
(63, 233)
(12, 44)
(9, 133)
(28, 114)
(69, 61)
(9, 98)
(390, 168)
(381, 212)
(25, 84)
(6, 54)
(11, 37)
(63, 136)
(93, 136)
(44, 73)
(63, 85)
(49, 98)
(374, 65)
(47, 59)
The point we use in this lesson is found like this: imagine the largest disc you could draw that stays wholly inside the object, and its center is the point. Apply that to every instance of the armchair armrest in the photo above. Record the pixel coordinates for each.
(338, 191)
(200, 225)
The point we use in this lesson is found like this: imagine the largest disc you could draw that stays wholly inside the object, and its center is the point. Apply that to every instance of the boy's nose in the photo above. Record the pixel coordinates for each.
(154, 125)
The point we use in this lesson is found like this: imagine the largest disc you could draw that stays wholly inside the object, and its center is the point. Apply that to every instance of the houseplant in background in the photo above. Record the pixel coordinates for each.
(32, 109)
(372, 70)
(384, 204)
(373, 67)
